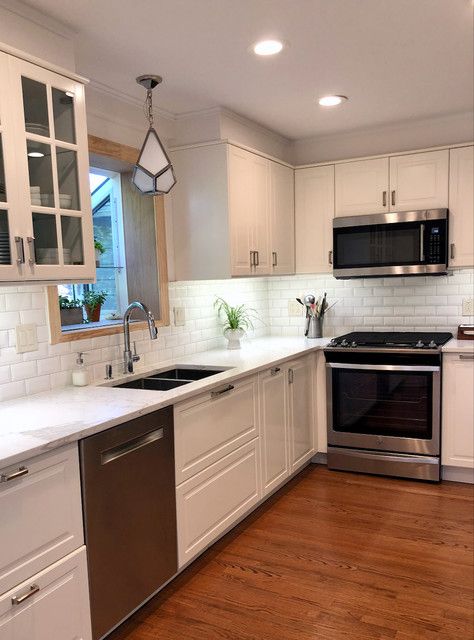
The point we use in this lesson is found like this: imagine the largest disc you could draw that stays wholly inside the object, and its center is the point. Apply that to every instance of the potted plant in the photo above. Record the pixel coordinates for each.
(99, 251)
(93, 301)
(70, 310)
(236, 321)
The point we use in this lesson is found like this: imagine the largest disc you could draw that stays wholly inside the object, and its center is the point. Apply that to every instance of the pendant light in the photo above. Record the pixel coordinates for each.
(153, 174)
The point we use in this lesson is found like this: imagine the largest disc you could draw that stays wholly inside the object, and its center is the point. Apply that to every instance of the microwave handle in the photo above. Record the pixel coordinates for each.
(422, 242)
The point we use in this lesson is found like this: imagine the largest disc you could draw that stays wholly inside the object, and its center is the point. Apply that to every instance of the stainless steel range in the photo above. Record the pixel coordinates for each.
(384, 403)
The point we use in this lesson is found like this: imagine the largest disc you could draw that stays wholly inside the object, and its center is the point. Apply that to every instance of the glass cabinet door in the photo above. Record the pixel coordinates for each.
(52, 126)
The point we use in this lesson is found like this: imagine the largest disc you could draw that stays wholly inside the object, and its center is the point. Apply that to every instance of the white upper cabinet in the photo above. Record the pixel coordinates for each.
(362, 187)
(45, 213)
(282, 219)
(461, 207)
(314, 213)
(419, 181)
(233, 213)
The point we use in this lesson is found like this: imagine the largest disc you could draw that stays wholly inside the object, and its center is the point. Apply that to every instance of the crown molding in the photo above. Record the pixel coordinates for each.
(256, 126)
(31, 14)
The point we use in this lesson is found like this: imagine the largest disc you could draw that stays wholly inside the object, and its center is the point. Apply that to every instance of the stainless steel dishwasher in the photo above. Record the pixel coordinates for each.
(129, 502)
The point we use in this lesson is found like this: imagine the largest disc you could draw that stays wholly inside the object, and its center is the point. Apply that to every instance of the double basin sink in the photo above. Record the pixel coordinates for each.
(170, 379)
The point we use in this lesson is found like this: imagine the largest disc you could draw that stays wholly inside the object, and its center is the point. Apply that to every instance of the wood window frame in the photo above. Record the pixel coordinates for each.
(123, 153)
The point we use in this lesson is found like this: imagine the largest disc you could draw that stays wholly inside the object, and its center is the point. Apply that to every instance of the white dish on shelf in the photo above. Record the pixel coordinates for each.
(65, 201)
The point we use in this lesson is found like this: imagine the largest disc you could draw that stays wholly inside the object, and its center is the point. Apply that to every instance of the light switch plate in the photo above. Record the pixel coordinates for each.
(26, 338)
(295, 310)
(179, 316)
(467, 307)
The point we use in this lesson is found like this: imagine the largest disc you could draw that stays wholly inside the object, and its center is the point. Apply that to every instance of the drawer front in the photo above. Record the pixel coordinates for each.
(209, 428)
(41, 514)
(51, 605)
(212, 501)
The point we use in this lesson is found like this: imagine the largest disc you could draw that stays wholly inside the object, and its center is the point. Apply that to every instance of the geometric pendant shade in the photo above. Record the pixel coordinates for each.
(153, 174)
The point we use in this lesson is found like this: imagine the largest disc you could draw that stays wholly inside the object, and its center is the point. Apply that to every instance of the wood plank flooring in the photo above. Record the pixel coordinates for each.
(332, 556)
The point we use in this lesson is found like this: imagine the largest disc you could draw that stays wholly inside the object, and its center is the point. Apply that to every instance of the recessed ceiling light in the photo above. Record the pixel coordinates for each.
(332, 101)
(268, 47)
(35, 154)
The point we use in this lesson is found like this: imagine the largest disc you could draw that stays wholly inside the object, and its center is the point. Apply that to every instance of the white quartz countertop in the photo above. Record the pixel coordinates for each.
(42, 422)
(459, 346)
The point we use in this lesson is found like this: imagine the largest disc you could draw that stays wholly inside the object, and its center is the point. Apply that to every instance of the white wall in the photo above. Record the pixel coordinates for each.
(26, 29)
(400, 136)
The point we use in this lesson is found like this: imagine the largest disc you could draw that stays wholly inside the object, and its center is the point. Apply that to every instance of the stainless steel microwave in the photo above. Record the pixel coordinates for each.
(391, 244)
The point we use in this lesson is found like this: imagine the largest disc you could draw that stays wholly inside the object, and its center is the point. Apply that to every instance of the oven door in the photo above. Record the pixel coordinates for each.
(384, 407)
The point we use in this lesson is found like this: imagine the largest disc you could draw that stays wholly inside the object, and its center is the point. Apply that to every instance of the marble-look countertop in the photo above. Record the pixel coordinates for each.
(459, 346)
(45, 421)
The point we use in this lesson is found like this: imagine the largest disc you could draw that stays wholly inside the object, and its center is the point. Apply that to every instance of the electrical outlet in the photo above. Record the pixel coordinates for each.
(26, 338)
(179, 316)
(468, 307)
(295, 310)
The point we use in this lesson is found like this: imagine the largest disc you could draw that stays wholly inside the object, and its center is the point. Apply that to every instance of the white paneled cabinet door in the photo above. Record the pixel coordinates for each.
(458, 410)
(274, 430)
(300, 411)
(241, 210)
(260, 217)
(51, 605)
(419, 181)
(362, 187)
(52, 165)
(461, 207)
(282, 219)
(314, 213)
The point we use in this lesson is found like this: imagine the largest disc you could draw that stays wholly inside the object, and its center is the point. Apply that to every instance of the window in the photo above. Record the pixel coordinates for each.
(129, 237)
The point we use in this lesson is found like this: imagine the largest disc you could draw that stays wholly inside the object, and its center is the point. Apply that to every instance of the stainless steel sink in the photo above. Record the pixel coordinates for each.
(170, 379)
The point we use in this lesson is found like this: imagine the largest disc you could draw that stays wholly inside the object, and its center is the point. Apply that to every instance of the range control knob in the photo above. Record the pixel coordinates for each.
(353, 344)
(419, 344)
(432, 345)
(344, 343)
(333, 343)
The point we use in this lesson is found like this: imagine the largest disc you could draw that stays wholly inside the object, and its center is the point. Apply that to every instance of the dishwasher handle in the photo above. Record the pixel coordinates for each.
(109, 455)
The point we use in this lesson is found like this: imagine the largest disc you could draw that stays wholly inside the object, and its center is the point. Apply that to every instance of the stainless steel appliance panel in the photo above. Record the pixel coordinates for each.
(130, 515)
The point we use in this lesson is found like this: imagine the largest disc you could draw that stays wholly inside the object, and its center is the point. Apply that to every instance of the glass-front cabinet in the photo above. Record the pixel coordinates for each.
(45, 210)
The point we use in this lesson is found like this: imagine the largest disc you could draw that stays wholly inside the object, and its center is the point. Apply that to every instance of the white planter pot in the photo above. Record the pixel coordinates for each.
(234, 336)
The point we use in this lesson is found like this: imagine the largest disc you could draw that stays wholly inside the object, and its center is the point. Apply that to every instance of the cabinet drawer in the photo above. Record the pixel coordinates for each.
(41, 516)
(210, 502)
(55, 604)
(208, 428)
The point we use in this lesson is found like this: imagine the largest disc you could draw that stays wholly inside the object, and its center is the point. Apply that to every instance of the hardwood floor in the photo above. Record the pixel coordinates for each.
(332, 556)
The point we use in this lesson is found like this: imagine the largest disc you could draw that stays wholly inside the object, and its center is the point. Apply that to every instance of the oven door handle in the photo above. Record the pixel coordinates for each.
(380, 367)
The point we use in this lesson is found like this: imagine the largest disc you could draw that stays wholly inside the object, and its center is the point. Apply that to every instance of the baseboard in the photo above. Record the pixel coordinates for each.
(320, 458)
(457, 474)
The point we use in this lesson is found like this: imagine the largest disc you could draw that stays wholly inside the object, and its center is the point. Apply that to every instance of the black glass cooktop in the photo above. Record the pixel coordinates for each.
(392, 339)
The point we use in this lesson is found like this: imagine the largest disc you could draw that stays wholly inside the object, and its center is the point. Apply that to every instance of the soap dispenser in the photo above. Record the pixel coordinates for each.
(80, 375)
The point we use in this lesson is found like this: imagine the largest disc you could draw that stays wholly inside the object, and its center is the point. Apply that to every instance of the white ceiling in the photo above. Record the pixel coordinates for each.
(395, 59)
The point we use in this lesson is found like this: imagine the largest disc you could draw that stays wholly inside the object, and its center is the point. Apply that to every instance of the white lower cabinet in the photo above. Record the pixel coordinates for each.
(211, 501)
(40, 514)
(51, 605)
(286, 416)
(458, 411)
(210, 426)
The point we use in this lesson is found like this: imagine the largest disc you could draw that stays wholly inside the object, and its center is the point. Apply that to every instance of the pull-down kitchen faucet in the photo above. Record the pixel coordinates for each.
(128, 357)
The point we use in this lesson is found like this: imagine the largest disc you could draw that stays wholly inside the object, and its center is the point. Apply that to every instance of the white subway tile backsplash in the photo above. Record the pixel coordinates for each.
(376, 304)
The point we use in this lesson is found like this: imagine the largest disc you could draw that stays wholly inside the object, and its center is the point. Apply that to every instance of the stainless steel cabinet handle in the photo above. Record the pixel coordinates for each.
(330, 257)
(34, 588)
(384, 198)
(257, 259)
(275, 259)
(422, 242)
(466, 356)
(274, 371)
(6, 477)
(252, 258)
(31, 247)
(451, 250)
(291, 376)
(20, 250)
(220, 392)
(393, 197)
